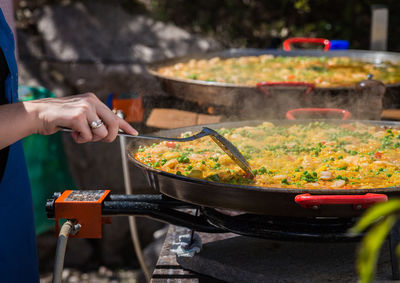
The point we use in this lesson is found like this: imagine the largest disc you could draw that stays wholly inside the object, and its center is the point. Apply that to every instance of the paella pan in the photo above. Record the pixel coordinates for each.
(267, 98)
(343, 158)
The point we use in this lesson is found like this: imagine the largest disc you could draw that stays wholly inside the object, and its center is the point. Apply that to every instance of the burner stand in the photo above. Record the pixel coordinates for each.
(233, 258)
(284, 228)
(246, 259)
(315, 230)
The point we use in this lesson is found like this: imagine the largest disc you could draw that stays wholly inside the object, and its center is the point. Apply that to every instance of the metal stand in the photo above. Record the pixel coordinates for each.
(284, 228)
(132, 219)
(193, 230)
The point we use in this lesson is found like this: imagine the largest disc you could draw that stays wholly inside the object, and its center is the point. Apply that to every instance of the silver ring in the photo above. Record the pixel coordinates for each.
(96, 124)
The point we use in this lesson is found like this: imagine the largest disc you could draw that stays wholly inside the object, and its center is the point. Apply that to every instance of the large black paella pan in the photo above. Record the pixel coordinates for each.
(271, 100)
(262, 200)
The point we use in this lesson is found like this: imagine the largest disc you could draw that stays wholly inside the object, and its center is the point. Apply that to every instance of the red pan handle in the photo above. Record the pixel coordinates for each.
(358, 201)
(289, 41)
(290, 116)
(262, 86)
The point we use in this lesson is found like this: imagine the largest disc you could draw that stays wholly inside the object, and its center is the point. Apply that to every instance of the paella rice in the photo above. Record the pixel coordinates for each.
(250, 70)
(314, 155)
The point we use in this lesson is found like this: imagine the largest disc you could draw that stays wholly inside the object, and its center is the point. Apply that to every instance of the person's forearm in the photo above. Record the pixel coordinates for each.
(46, 116)
(17, 121)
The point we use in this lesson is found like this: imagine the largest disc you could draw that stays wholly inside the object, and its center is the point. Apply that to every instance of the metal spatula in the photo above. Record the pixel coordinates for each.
(222, 142)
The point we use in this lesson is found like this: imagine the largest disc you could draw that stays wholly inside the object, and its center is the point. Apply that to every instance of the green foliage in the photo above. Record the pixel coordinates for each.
(370, 246)
(257, 23)
(265, 24)
(381, 218)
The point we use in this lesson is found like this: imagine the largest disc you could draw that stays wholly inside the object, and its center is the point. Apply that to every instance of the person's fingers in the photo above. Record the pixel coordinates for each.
(100, 131)
(124, 125)
(76, 137)
(111, 122)
(92, 104)
(82, 132)
(77, 113)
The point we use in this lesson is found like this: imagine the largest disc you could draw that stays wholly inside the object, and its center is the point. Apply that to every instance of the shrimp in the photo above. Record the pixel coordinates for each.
(325, 175)
(338, 183)
(170, 164)
(171, 155)
(225, 159)
(159, 150)
(280, 177)
(196, 157)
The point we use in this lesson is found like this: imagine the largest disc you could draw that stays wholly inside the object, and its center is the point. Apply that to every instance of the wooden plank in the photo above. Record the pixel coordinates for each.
(208, 119)
(165, 118)
(390, 114)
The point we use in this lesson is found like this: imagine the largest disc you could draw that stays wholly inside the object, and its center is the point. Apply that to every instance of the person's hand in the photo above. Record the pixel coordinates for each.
(78, 112)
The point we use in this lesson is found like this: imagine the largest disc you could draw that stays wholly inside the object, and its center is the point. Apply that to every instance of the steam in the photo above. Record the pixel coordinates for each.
(364, 100)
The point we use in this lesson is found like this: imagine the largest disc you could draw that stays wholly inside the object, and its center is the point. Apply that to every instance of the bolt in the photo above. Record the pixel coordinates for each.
(76, 229)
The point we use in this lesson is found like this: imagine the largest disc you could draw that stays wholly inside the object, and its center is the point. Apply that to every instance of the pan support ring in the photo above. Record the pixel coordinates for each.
(284, 228)
(297, 229)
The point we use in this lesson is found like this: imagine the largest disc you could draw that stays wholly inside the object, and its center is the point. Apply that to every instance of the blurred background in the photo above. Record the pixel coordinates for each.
(67, 47)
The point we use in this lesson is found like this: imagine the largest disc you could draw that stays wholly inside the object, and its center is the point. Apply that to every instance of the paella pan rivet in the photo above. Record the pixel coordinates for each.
(315, 207)
(358, 206)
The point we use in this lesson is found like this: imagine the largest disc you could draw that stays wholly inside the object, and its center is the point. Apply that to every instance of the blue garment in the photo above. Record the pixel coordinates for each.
(18, 256)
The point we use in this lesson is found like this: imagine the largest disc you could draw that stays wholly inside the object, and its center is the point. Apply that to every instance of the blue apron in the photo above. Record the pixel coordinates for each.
(18, 257)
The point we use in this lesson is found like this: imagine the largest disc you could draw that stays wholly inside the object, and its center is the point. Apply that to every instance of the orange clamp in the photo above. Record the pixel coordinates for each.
(85, 208)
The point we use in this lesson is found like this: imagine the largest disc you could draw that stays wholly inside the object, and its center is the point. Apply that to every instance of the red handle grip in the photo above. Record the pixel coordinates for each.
(262, 85)
(358, 201)
(289, 41)
(346, 114)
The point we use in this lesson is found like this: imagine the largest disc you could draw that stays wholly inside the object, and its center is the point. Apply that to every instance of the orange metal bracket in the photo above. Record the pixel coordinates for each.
(87, 213)
(132, 107)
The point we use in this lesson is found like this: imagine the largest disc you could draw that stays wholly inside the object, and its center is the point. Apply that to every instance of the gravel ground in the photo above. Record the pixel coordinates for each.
(102, 275)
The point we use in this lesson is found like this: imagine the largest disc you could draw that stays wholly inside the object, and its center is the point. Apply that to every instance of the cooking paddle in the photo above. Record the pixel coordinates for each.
(222, 142)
